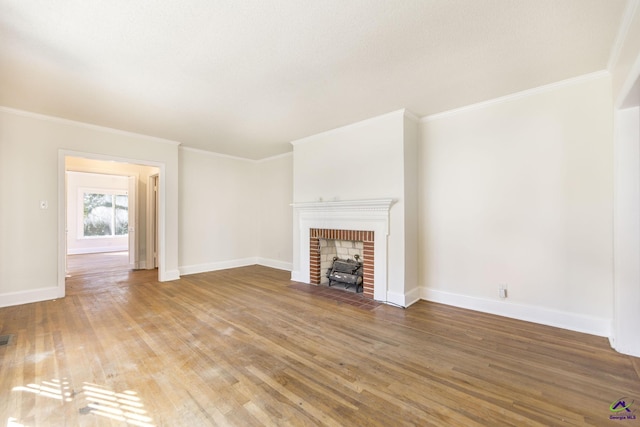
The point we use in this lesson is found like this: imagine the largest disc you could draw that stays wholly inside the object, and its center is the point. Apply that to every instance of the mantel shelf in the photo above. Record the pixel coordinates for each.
(337, 205)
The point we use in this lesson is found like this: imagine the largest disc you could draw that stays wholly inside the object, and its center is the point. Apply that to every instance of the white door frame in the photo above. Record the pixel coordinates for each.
(133, 244)
(62, 207)
(153, 184)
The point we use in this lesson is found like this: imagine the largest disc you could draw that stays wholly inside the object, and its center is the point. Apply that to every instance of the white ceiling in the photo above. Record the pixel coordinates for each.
(246, 77)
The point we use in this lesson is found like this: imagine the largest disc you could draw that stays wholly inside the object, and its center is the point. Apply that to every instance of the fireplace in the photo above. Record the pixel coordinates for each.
(365, 221)
(316, 270)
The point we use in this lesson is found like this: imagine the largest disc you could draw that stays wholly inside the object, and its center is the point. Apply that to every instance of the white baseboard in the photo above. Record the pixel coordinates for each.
(624, 346)
(168, 275)
(403, 300)
(97, 250)
(273, 263)
(235, 263)
(396, 299)
(412, 297)
(214, 266)
(631, 349)
(297, 276)
(545, 316)
(27, 297)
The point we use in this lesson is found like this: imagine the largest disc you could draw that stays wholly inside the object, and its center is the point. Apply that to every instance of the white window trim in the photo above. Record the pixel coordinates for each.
(80, 210)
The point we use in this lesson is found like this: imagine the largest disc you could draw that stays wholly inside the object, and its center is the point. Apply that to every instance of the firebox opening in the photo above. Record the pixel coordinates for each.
(349, 243)
(343, 249)
(341, 264)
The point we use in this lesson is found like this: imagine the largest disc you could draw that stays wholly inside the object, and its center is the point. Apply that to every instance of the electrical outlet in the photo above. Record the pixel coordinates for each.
(502, 291)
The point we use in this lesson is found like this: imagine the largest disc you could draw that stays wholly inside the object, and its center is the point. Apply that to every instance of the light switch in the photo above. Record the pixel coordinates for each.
(44, 204)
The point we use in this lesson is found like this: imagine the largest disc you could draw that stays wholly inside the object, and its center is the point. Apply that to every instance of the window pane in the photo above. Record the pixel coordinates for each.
(98, 214)
(122, 215)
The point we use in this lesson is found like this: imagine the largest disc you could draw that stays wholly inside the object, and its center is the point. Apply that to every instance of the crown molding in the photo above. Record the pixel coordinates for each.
(627, 19)
(400, 113)
(214, 154)
(411, 116)
(519, 95)
(59, 120)
(276, 157)
(228, 156)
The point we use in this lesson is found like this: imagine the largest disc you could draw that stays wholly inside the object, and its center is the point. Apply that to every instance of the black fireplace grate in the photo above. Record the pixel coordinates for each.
(346, 272)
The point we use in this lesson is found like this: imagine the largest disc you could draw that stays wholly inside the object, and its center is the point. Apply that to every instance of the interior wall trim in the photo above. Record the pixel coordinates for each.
(529, 313)
(518, 95)
(30, 296)
(60, 120)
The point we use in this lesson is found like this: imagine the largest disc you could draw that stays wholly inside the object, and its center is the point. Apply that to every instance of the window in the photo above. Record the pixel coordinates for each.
(105, 214)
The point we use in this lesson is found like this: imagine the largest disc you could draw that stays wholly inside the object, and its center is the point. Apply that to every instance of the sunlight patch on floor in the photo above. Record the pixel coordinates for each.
(123, 406)
(55, 389)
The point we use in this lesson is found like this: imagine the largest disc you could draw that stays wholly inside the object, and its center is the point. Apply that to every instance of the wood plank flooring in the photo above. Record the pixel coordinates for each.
(248, 347)
(98, 263)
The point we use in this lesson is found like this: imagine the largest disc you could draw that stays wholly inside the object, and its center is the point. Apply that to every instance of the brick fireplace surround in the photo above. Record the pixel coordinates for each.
(366, 237)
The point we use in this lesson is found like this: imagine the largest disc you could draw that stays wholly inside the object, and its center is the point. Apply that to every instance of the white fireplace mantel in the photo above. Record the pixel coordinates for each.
(361, 215)
(341, 205)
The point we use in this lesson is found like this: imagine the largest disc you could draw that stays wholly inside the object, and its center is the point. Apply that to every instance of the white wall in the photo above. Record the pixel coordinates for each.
(234, 212)
(275, 215)
(78, 182)
(219, 211)
(31, 167)
(360, 161)
(411, 223)
(519, 192)
(365, 160)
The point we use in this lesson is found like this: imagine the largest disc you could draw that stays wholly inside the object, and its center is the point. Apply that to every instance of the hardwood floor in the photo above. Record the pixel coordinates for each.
(83, 264)
(248, 347)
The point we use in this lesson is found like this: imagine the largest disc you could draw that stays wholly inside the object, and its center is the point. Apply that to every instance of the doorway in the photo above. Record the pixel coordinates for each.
(106, 218)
